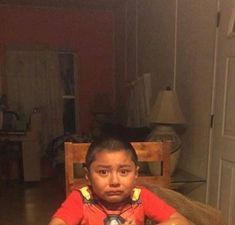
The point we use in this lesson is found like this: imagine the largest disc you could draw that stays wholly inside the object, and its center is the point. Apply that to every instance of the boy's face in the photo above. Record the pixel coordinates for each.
(112, 175)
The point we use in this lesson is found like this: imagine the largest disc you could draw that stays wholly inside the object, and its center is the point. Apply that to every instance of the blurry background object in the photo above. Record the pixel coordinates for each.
(102, 113)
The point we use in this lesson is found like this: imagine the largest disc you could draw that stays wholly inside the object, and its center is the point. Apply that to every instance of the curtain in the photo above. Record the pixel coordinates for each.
(139, 101)
(33, 81)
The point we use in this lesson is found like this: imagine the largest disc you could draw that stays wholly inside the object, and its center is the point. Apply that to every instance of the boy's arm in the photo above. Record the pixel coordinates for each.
(57, 221)
(175, 219)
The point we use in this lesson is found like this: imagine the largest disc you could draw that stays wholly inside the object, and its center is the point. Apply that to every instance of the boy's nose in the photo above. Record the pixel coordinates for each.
(114, 180)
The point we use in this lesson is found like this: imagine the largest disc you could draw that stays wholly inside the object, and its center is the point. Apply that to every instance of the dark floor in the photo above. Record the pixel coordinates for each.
(30, 203)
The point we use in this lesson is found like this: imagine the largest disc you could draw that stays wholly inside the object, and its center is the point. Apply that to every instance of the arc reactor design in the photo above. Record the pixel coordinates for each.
(113, 220)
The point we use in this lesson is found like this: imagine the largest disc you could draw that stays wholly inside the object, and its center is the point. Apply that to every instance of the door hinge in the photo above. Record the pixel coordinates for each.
(212, 121)
(218, 19)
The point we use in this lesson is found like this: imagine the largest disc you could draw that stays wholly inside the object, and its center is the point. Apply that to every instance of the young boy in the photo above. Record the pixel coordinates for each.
(112, 197)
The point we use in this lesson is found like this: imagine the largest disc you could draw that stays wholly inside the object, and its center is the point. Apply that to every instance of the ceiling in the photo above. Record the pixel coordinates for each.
(64, 3)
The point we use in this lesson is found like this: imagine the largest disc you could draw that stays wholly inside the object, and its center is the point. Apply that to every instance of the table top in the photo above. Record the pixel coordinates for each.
(12, 132)
(182, 176)
(185, 182)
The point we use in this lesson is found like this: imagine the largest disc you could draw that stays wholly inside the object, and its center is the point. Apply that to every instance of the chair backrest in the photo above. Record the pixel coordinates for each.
(147, 152)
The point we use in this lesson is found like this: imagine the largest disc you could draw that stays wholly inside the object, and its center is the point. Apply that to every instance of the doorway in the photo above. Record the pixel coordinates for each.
(222, 168)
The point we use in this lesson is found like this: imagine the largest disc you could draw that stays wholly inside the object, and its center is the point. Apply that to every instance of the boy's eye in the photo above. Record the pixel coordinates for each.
(103, 172)
(124, 172)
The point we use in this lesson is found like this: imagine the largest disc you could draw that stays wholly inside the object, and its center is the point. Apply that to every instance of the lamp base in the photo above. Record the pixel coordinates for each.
(166, 132)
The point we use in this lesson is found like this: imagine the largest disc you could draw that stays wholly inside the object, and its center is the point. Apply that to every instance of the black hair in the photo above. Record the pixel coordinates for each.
(109, 144)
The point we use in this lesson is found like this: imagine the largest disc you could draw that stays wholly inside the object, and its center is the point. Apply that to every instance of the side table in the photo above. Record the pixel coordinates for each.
(30, 152)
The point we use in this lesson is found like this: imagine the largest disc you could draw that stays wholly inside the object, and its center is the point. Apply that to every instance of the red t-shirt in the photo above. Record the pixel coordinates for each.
(75, 211)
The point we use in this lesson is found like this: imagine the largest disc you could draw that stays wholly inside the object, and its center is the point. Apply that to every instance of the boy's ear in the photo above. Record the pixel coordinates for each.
(86, 173)
(137, 171)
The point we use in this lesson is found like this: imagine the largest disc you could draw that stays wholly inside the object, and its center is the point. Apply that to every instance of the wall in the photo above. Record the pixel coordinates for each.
(87, 32)
(148, 45)
(174, 41)
(194, 81)
(119, 15)
(156, 46)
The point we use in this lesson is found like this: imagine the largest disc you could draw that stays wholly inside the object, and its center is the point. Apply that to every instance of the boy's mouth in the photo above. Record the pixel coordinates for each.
(113, 193)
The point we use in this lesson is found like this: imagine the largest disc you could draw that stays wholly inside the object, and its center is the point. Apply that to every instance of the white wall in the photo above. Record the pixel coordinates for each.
(150, 47)
(148, 43)
(196, 29)
(156, 34)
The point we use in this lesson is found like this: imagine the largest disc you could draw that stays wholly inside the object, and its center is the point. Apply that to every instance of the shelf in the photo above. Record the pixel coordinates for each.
(184, 182)
(68, 97)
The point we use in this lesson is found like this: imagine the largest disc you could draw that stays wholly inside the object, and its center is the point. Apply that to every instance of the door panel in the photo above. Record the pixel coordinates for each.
(222, 170)
(229, 99)
(226, 199)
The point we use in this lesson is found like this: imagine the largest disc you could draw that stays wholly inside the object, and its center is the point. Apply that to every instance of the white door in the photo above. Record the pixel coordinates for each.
(222, 171)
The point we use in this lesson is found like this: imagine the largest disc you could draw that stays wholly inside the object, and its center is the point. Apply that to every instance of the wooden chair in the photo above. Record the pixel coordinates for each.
(147, 152)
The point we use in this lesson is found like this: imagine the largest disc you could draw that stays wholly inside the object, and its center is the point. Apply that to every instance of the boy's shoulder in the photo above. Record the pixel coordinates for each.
(86, 194)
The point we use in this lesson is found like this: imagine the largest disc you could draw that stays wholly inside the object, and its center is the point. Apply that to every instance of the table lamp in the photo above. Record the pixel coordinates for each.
(165, 114)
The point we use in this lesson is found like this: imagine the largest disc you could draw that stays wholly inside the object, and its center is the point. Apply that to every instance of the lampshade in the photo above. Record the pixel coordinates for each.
(101, 104)
(166, 109)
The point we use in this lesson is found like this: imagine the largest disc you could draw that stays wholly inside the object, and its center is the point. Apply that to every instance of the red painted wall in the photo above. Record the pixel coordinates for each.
(88, 32)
